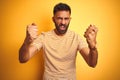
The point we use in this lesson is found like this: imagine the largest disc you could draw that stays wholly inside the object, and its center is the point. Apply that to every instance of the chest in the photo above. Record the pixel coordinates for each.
(65, 48)
(61, 44)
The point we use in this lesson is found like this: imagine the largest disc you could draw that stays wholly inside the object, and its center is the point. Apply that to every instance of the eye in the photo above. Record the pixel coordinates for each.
(59, 18)
(67, 18)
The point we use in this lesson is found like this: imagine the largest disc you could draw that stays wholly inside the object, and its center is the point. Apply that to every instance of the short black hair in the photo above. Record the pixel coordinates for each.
(61, 7)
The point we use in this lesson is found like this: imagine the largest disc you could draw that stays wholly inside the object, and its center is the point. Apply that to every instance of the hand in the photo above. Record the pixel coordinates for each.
(90, 35)
(32, 32)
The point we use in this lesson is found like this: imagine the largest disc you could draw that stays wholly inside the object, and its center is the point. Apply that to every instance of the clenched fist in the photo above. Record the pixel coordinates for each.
(32, 32)
(90, 35)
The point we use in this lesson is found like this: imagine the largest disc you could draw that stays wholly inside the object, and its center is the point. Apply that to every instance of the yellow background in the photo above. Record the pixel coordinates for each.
(15, 15)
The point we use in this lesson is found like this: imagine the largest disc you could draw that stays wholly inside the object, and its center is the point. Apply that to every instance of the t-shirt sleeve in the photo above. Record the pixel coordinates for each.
(81, 43)
(38, 42)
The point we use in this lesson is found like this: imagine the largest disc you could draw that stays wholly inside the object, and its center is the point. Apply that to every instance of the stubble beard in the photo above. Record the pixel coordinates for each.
(61, 32)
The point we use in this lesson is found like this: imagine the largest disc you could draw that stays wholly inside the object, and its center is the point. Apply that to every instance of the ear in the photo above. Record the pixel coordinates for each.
(53, 19)
(70, 18)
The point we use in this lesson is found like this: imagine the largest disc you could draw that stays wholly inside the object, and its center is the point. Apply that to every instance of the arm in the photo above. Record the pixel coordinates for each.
(27, 50)
(90, 54)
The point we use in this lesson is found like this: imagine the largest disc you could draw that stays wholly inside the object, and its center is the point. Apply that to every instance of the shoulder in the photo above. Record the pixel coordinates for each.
(46, 33)
(73, 33)
(76, 36)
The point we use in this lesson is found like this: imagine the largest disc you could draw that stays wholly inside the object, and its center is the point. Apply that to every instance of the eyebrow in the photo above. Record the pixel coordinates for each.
(63, 18)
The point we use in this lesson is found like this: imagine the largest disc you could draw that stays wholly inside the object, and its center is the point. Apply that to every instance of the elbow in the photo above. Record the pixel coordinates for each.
(93, 64)
(23, 60)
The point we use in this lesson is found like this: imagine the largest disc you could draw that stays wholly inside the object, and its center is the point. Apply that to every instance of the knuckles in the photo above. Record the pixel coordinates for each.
(32, 31)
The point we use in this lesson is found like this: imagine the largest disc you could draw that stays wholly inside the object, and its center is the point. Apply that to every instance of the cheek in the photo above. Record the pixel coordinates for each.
(67, 23)
(57, 22)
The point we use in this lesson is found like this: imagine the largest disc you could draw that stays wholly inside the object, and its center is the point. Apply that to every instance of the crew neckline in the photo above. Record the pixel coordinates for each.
(58, 35)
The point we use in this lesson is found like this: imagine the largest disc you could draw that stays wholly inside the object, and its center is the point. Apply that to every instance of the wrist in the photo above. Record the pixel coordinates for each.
(92, 47)
(28, 40)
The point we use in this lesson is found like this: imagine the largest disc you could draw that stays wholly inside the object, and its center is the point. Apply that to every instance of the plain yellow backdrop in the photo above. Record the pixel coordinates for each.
(15, 15)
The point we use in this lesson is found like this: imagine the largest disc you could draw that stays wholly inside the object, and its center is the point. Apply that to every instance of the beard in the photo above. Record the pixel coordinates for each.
(61, 28)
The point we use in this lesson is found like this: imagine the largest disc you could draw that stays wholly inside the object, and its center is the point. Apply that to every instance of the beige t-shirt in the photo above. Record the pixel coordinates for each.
(59, 54)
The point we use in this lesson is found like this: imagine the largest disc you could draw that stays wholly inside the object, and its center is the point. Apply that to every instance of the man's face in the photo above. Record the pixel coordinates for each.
(61, 20)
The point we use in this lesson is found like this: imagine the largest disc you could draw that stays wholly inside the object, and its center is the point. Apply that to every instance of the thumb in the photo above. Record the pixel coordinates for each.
(33, 24)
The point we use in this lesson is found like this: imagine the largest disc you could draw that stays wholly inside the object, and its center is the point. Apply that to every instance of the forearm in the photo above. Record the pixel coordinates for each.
(27, 50)
(24, 52)
(93, 56)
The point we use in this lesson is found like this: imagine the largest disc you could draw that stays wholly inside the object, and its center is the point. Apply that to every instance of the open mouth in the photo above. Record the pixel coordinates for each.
(62, 27)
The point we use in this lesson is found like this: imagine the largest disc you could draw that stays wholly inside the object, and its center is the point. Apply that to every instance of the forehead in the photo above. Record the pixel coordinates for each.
(62, 14)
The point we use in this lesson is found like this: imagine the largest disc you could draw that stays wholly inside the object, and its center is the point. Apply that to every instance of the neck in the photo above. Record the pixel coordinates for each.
(58, 33)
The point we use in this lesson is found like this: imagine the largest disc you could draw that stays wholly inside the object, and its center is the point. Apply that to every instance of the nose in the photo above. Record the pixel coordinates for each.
(63, 21)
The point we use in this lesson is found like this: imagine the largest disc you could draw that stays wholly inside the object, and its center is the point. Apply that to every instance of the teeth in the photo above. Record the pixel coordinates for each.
(63, 26)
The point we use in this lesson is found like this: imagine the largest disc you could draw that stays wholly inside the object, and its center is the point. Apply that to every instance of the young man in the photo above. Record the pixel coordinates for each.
(60, 46)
